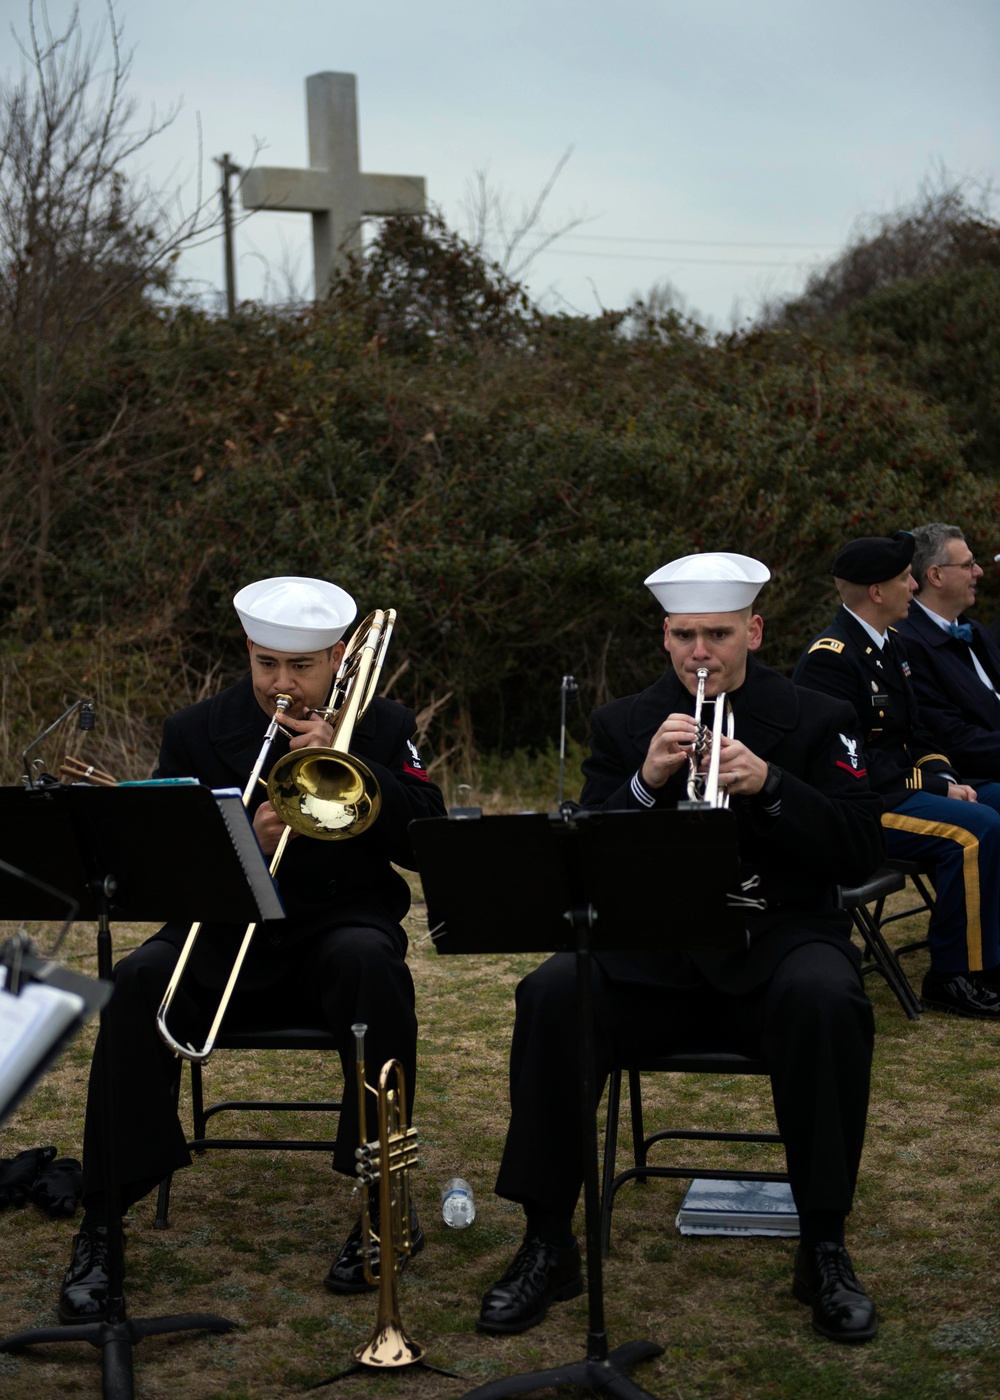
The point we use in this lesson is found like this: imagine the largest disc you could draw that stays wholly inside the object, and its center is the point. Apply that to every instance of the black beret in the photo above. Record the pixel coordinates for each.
(874, 559)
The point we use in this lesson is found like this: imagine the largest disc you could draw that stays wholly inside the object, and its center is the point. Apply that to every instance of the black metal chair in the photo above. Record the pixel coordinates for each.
(309, 1038)
(866, 903)
(921, 881)
(682, 1062)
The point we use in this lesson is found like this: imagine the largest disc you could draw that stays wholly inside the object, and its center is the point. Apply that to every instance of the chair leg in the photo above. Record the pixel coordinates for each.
(160, 1220)
(610, 1146)
(886, 962)
(923, 891)
(638, 1131)
(197, 1102)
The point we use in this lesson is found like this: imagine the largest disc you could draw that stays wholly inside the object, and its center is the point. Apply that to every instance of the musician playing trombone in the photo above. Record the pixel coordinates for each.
(339, 956)
(794, 997)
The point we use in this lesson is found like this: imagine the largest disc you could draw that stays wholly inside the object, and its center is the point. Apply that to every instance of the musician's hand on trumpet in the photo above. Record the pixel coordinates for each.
(669, 749)
(740, 770)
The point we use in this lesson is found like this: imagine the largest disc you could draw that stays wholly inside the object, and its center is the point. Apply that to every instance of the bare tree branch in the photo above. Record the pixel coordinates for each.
(84, 246)
(500, 236)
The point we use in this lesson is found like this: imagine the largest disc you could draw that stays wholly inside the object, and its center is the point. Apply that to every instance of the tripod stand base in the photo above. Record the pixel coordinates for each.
(116, 1340)
(601, 1376)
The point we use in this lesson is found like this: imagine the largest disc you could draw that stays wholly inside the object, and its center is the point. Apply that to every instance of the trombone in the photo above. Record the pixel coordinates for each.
(325, 793)
(703, 788)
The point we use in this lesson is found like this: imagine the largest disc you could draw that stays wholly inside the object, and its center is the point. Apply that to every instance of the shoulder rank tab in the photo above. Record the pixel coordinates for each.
(826, 644)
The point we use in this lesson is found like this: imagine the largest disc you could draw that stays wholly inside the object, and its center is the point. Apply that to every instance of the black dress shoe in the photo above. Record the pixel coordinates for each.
(539, 1275)
(841, 1309)
(961, 993)
(991, 976)
(347, 1272)
(84, 1293)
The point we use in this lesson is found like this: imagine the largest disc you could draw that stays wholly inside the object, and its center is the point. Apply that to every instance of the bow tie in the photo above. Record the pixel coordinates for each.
(961, 630)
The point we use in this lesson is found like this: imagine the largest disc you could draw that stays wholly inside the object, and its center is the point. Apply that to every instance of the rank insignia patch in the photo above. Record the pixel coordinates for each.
(415, 766)
(852, 764)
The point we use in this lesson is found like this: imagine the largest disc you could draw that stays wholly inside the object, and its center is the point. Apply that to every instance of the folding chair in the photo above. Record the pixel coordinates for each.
(888, 879)
(682, 1062)
(308, 1038)
(921, 883)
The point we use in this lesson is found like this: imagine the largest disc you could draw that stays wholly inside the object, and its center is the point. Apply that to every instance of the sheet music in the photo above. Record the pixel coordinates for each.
(252, 859)
(31, 1023)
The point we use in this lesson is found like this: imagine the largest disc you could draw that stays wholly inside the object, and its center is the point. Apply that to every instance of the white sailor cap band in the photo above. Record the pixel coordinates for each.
(708, 583)
(294, 614)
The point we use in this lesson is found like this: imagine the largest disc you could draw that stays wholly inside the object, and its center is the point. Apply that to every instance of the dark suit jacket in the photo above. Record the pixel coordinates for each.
(828, 831)
(902, 756)
(323, 883)
(962, 715)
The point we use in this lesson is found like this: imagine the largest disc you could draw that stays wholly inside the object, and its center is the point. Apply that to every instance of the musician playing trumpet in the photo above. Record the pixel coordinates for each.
(794, 996)
(339, 956)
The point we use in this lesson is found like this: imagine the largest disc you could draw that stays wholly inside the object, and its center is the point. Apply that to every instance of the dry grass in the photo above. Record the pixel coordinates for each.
(252, 1234)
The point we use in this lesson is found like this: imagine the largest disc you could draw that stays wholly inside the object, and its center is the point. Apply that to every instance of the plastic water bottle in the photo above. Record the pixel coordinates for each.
(458, 1206)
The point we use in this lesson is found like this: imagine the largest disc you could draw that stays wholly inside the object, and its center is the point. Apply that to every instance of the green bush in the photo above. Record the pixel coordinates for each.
(508, 498)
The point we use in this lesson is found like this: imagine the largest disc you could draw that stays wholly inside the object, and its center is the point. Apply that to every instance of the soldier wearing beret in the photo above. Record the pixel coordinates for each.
(933, 816)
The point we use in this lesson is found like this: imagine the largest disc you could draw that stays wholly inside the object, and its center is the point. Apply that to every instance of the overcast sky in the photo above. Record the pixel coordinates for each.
(722, 146)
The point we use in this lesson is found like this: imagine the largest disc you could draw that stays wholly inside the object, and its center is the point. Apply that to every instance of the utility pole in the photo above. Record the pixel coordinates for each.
(229, 169)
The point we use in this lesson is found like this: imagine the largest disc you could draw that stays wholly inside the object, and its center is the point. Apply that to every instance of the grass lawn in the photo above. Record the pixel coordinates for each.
(252, 1234)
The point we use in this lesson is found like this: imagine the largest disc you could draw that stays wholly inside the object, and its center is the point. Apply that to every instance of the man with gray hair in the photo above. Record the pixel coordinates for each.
(934, 815)
(954, 660)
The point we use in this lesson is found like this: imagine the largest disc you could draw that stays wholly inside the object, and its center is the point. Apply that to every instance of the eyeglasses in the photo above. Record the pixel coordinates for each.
(969, 564)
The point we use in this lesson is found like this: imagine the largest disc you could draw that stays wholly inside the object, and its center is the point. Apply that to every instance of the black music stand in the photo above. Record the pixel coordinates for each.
(147, 854)
(569, 895)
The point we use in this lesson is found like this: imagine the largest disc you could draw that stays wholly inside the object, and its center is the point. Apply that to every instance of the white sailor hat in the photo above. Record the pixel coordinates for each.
(708, 583)
(294, 614)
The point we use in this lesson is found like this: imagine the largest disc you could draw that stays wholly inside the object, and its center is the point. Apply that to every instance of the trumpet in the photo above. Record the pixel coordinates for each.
(325, 793)
(385, 1164)
(703, 788)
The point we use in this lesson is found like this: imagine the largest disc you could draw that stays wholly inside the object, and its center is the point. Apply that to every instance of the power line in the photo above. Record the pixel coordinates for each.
(691, 242)
(553, 251)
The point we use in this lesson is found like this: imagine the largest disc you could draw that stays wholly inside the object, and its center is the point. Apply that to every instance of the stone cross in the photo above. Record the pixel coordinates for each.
(333, 190)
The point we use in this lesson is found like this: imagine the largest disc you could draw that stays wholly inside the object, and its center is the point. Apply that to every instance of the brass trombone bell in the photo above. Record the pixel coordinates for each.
(324, 793)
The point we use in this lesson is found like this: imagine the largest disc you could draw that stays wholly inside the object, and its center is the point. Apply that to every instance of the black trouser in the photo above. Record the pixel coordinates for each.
(811, 1023)
(341, 976)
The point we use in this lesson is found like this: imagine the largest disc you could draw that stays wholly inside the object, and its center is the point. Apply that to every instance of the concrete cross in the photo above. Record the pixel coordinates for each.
(333, 190)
